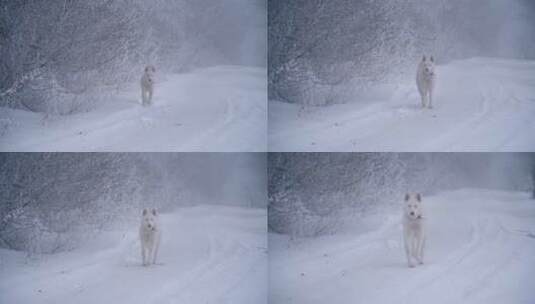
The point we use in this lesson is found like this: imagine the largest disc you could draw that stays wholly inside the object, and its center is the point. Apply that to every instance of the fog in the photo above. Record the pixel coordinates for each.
(312, 194)
(321, 50)
(63, 57)
(50, 201)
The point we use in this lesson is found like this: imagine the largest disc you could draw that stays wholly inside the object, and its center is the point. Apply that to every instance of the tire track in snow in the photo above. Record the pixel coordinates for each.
(224, 255)
(473, 112)
(479, 248)
(438, 273)
(487, 238)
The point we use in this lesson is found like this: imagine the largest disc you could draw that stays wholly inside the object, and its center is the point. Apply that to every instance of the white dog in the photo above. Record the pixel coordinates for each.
(413, 228)
(147, 85)
(425, 80)
(149, 234)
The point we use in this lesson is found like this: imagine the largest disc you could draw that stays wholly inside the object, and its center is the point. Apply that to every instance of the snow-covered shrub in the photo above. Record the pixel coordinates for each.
(46, 197)
(54, 48)
(5, 124)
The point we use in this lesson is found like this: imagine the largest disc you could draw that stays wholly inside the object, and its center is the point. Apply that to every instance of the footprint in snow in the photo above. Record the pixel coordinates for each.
(147, 122)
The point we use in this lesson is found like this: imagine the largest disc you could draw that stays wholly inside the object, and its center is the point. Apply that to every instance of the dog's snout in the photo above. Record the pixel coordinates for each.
(149, 225)
(412, 213)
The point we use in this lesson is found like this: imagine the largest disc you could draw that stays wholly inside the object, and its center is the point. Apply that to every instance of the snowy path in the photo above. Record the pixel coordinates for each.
(208, 255)
(480, 249)
(213, 109)
(481, 104)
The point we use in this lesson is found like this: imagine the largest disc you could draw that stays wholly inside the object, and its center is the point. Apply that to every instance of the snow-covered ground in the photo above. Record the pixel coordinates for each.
(208, 254)
(213, 109)
(481, 104)
(480, 249)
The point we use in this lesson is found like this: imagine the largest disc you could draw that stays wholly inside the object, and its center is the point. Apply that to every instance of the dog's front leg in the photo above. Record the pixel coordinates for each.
(143, 257)
(408, 249)
(155, 251)
(150, 97)
(422, 95)
(143, 95)
(421, 247)
(430, 103)
(150, 253)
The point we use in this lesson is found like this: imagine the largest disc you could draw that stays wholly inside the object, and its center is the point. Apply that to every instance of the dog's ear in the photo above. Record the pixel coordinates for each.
(145, 211)
(407, 196)
(432, 60)
(153, 211)
(423, 58)
(418, 197)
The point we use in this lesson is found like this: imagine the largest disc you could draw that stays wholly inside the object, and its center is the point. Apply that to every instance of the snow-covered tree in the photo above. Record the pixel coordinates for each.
(56, 49)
